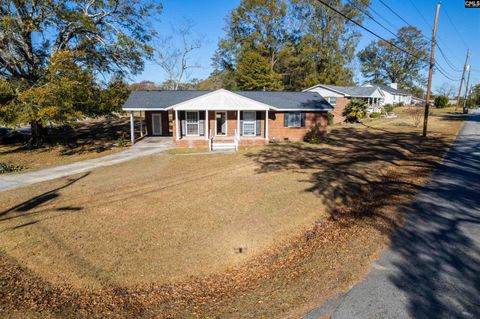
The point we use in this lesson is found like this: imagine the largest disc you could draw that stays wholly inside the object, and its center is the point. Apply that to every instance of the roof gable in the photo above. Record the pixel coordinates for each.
(220, 100)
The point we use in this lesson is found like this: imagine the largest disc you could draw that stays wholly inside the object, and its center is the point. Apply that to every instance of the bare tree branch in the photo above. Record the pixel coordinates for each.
(176, 61)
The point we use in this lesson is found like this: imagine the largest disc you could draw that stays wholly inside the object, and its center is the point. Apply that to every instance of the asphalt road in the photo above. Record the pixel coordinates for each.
(432, 268)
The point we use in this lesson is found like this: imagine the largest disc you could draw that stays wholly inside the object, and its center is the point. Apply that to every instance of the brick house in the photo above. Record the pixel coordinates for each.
(223, 119)
(340, 96)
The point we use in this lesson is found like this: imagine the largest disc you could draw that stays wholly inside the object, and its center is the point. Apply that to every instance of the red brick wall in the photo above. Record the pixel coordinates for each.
(165, 122)
(192, 143)
(339, 108)
(278, 132)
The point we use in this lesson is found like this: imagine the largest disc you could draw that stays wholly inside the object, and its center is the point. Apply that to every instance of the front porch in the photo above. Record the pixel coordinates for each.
(220, 128)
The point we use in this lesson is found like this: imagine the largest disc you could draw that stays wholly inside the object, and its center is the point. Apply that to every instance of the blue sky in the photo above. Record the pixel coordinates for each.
(209, 17)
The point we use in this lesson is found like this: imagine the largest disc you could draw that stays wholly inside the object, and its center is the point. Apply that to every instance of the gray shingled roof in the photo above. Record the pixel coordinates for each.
(281, 100)
(392, 90)
(353, 91)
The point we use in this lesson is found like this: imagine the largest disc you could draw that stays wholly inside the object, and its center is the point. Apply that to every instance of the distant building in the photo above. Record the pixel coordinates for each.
(374, 95)
(393, 95)
(340, 96)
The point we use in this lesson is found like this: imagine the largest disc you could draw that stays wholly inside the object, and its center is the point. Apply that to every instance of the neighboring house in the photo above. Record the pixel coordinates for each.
(418, 101)
(393, 95)
(339, 97)
(225, 119)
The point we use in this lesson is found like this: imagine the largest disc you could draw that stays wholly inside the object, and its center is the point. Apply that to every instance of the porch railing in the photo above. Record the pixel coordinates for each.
(236, 138)
(210, 140)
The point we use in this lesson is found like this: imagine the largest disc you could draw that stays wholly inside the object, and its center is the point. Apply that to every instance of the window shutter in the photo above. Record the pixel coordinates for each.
(201, 123)
(182, 123)
(302, 120)
(241, 123)
(258, 123)
(285, 119)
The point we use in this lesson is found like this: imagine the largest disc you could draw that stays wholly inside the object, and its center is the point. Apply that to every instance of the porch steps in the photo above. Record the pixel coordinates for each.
(223, 147)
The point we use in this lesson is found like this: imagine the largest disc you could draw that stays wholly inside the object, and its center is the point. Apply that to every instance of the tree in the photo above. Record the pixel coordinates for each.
(143, 85)
(382, 62)
(113, 96)
(89, 36)
(446, 89)
(66, 91)
(326, 42)
(254, 73)
(176, 61)
(255, 25)
(441, 101)
(475, 96)
(304, 43)
(355, 110)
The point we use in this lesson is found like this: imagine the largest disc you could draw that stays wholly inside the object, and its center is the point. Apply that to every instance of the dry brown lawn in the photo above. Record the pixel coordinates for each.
(85, 140)
(156, 237)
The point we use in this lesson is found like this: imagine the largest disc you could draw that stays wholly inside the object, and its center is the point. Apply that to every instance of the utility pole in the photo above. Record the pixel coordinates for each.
(461, 81)
(430, 72)
(467, 91)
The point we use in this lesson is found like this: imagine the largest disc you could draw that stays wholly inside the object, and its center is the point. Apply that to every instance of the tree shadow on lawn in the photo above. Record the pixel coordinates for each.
(437, 252)
(24, 209)
(349, 169)
(434, 243)
(83, 137)
(24, 289)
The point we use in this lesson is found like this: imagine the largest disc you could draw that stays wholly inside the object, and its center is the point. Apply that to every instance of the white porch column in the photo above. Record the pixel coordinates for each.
(238, 124)
(141, 123)
(207, 132)
(132, 128)
(266, 125)
(177, 131)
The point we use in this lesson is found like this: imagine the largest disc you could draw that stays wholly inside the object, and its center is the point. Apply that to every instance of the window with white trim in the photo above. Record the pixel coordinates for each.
(294, 119)
(332, 100)
(249, 123)
(192, 123)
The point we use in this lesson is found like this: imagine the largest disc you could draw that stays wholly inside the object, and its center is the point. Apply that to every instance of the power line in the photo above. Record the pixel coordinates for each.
(421, 14)
(370, 31)
(444, 56)
(383, 18)
(444, 73)
(456, 30)
(450, 64)
(441, 70)
(395, 13)
(371, 18)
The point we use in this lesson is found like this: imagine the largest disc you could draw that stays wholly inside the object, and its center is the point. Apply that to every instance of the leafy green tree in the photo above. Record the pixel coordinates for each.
(474, 96)
(382, 62)
(355, 110)
(304, 43)
(90, 36)
(441, 101)
(255, 25)
(326, 41)
(113, 96)
(254, 73)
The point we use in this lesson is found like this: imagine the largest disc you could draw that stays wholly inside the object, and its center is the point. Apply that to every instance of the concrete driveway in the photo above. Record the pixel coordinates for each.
(432, 268)
(148, 146)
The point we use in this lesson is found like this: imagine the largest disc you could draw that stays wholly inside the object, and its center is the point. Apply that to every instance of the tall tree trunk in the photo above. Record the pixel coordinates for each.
(39, 132)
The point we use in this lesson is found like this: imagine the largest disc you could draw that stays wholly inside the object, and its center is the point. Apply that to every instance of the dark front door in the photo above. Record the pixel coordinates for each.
(221, 120)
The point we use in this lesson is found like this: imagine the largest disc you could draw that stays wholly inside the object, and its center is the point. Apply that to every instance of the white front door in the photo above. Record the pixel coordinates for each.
(156, 124)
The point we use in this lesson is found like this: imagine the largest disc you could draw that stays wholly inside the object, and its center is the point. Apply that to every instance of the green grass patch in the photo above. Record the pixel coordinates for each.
(10, 168)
